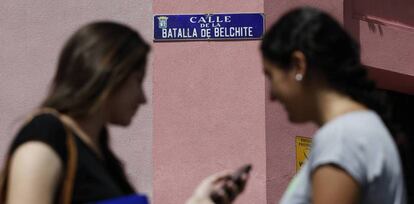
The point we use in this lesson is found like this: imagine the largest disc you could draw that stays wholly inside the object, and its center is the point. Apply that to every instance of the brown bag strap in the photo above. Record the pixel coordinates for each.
(71, 163)
(3, 181)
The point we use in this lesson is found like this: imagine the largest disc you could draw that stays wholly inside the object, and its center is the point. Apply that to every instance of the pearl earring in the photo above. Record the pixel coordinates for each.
(298, 77)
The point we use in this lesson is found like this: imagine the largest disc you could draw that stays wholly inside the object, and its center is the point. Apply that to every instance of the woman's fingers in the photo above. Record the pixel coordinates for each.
(243, 180)
(220, 176)
(231, 189)
(210, 183)
(219, 196)
(225, 192)
(222, 187)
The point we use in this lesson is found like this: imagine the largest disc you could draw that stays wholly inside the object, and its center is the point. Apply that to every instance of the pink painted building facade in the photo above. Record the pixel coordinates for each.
(208, 108)
(32, 33)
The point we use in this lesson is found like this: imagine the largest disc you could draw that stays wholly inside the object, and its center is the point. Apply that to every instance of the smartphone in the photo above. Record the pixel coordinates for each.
(237, 179)
(237, 175)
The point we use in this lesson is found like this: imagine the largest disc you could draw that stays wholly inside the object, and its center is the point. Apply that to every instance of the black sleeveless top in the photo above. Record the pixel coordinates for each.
(96, 178)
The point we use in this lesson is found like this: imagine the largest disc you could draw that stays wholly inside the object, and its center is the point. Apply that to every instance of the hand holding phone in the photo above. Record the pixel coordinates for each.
(232, 186)
(240, 176)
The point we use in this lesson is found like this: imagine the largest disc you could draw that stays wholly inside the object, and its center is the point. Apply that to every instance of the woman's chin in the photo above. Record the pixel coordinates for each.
(296, 119)
(122, 122)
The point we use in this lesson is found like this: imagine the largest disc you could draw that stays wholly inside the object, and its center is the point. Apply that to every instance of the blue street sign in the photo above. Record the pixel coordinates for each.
(242, 26)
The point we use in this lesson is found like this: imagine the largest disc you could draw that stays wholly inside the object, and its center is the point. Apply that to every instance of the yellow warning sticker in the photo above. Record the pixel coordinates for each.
(303, 146)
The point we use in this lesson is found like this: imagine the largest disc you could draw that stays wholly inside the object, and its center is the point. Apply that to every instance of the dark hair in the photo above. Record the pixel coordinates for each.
(330, 52)
(332, 55)
(93, 64)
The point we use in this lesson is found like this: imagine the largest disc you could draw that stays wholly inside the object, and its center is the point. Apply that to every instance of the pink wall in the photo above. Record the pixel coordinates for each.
(209, 110)
(385, 29)
(281, 149)
(31, 36)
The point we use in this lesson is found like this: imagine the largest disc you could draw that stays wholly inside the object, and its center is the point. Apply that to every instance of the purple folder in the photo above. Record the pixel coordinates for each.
(131, 199)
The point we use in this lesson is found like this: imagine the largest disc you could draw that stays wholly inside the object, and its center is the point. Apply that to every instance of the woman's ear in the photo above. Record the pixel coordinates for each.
(299, 66)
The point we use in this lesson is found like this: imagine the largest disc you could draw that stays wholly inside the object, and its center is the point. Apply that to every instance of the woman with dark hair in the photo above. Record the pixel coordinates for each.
(315, 72)
(98, 82)
(62, 153)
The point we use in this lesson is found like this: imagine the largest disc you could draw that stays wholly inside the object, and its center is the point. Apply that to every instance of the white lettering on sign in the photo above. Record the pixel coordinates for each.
(179, 33)
(193, 19)
(224, 32)
(208, 26)
(210, 19)
(206, 33)
(217, 32)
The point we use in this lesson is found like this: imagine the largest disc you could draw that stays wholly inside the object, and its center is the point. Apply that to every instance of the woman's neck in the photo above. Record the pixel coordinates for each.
(88, 129)
(331, 104)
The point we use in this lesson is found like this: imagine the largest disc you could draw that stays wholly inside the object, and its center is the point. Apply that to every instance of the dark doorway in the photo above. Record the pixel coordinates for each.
(402, 113)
